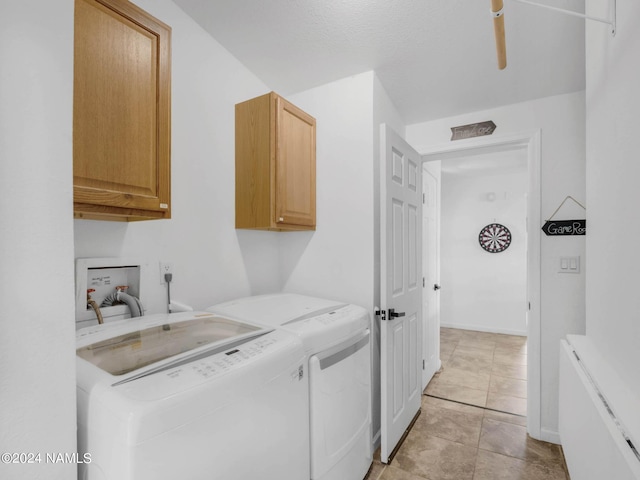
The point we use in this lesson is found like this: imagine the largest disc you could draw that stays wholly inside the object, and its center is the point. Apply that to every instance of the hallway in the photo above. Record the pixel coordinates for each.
(473, 420)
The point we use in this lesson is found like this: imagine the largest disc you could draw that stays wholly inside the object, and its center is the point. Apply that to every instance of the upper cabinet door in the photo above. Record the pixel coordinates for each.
(275, 165)
(121, 112)
(295, 166)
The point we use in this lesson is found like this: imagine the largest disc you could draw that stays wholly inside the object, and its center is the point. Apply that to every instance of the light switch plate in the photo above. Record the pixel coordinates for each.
(569, 265)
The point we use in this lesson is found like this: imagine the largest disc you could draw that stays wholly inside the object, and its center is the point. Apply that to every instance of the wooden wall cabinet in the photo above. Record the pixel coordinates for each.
(275, 165)
(121, 113)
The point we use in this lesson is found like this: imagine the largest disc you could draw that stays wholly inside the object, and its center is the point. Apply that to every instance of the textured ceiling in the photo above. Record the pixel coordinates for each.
(435, 58)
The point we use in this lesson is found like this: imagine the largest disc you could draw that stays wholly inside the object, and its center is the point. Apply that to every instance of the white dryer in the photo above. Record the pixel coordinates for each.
(336, 339)
(191, 395)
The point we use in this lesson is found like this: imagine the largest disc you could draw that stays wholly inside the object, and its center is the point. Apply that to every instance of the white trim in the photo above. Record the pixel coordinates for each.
(376, 440)
(529, 140)
(550, 436)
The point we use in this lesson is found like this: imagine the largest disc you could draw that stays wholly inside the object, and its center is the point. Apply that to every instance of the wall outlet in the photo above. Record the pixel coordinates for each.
(165, 267)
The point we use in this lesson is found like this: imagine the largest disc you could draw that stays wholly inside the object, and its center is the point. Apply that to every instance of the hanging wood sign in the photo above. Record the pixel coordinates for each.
(555, 228)
(558, 228)
(472, 130)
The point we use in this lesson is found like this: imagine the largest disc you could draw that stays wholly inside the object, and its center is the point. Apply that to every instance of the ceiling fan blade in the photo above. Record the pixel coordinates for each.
(498, 28)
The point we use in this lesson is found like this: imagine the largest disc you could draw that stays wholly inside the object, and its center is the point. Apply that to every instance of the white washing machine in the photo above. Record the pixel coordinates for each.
(191, 395)
(336, 339)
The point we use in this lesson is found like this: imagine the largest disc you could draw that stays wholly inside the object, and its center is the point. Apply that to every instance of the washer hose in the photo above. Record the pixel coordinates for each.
(92, 303)
(119, 297)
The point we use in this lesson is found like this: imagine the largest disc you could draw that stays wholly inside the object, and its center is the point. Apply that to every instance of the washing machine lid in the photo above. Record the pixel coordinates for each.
(276, 309)
(132, 350)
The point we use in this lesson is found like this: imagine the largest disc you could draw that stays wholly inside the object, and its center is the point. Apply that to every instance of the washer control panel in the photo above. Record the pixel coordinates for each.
(225, 361)
(263, 353)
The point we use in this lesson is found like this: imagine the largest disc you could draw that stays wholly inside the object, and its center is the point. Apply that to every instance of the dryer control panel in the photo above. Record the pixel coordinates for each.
(329, 328)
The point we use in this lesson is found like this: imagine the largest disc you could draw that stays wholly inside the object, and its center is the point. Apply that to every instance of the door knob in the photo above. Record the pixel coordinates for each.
(436, 287)
(393, 313)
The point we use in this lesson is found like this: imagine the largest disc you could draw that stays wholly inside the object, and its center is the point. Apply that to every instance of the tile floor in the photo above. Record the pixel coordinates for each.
(473, 423)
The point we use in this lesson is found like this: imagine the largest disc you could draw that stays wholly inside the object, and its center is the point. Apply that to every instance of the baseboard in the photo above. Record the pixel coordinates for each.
(550, 436)
(479, 328)
(376, 441)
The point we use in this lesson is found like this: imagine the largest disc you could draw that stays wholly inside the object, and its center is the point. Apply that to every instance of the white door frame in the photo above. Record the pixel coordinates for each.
(530, 141)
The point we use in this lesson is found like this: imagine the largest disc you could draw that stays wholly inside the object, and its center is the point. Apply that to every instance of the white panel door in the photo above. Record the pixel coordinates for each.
(401, 287)
(431, 272)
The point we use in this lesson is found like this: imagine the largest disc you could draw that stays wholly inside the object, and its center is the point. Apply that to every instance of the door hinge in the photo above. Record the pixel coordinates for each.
(423, 364)
(529, 305)
(422, 282)
(423, 198)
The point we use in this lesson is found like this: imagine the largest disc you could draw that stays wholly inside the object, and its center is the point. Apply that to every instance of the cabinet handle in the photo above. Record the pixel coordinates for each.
(281, 219)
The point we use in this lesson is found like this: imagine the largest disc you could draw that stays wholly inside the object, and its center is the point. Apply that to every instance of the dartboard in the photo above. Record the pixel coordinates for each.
(495, 238)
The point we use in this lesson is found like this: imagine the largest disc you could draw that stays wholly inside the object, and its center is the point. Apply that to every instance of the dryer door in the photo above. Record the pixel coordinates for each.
(340, 410)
